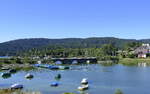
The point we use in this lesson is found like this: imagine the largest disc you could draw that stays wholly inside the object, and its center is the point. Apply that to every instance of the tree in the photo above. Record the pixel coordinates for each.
(18, 61)
(109, 49)
(131, 46)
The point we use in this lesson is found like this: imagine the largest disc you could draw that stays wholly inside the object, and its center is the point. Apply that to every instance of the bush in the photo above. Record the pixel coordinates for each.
(7, 61)
(131, 56)
(9, 91)
(18, 61)
(118, 91)
(68, 93)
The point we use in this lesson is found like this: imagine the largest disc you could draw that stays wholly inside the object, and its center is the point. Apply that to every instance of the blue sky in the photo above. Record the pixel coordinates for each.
(74, 18)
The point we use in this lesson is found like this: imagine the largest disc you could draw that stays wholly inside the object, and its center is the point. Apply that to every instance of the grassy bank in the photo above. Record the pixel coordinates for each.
(15, 60)
(17, 67)
(134, 61)
(9, 91)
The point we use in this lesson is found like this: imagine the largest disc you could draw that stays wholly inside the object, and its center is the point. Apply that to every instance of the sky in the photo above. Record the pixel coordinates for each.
(129, 19)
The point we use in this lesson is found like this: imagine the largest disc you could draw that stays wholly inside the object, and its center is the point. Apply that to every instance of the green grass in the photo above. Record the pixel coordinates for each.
(25, 68)
(134, 61)
(68, 93)
(19, 67)
(9, 91)
(118, 91)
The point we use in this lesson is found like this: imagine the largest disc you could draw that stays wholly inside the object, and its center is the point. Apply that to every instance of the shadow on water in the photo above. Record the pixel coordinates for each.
(107, 64)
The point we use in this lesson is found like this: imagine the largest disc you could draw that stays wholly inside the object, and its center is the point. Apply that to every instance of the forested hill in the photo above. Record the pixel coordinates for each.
(15, 46)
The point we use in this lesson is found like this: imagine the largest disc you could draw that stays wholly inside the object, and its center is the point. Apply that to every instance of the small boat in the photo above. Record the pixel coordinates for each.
(54, 84)
(84, 81)
(17, 86)
(58, 76)
(12, 71)
(5, 68)
(83, 87)
(29, 76)
(6, 75)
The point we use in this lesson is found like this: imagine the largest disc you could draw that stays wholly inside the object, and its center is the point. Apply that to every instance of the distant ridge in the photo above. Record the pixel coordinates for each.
(15, 46)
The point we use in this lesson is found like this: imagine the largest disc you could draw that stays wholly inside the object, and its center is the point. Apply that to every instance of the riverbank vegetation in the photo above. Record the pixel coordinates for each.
(107, 52)
(10, 91)
(12, 48)
(118, 91)
(17, 60)
(134, 61)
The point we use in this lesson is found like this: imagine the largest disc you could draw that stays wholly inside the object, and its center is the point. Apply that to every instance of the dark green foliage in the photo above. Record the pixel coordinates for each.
(131, 46)
(18, 46)
(109, 49)
(132, 55)
(18, 61)
(7, 61)
(107, 52)
(148, 54)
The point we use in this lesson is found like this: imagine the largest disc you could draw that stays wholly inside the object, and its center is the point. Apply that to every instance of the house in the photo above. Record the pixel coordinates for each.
(142, 51)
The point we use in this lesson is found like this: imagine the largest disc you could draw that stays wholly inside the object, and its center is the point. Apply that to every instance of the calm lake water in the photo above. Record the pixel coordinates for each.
(5, 56)
(102, 79)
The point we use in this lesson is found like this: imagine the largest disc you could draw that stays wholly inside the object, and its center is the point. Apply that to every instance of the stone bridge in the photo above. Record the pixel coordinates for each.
(75, 60)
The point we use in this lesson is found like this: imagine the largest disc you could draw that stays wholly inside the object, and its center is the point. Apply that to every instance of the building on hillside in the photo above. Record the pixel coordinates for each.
(142, 51)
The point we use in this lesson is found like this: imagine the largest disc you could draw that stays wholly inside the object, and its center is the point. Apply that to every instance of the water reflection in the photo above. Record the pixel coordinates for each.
(108, 64)
(142, 64)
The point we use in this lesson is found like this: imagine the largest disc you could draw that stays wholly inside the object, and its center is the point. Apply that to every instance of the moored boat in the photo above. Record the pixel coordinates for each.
(29, 76)
(6, 75)
(83, 87)
(16, 86)
(12, 71)
(4, 68)
(84, 81)
(58, 76)
(54, 84)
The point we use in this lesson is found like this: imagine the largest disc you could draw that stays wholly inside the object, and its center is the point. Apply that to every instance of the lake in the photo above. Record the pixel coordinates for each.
(5, 57)
(102, 79)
